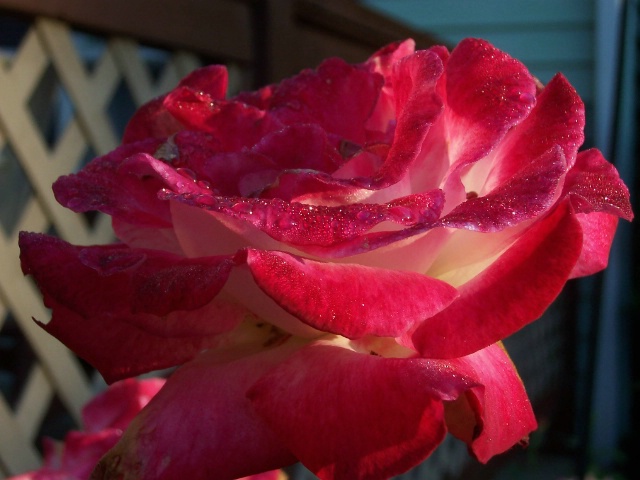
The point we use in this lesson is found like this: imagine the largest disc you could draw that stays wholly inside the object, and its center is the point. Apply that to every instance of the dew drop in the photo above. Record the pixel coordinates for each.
(187, 173)
(363, 215)
(402, 214)
(526, 98)
(242, 208)
(286, 223)
(165, 194)
(206, 201)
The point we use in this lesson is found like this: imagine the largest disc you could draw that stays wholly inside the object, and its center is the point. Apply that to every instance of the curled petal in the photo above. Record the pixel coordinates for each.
(336, 96)
(487, 93)
(556, 119)
(119, 404)
(527, 195)
(211, 80)
(598, 230)
(153, 120)
(101, 309)
(317, 225)
(417, 108)
(599, 197)
(346, 299)
(106, 185)
(204, 400)
(595, 186)
(513, 291)
(235, 125)
(495, 414)
(389, 415)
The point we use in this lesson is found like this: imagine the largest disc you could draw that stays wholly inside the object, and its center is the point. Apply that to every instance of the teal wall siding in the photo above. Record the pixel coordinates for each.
(549, 36)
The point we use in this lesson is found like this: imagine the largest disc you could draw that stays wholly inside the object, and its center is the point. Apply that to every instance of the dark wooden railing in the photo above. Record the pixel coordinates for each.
(276, 38)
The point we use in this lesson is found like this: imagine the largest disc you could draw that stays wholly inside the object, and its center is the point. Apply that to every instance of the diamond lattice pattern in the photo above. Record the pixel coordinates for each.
(62, 98)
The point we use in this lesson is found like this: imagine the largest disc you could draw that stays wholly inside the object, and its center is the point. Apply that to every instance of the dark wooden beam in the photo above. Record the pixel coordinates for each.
(218, 29)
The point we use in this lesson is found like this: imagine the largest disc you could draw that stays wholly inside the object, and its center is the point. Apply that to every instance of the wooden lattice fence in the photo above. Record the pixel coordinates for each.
(64, 98)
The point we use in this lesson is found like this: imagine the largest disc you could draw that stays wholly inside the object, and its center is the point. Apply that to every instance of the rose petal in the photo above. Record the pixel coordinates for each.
(499, 403)
(93, 305)
(119, 404)
(346, 299)
(595, 186)
(487, 93)
(417, 108)
(212, 80)
(203, 400)
(383, 62)
(300, 146)
(526, 195)
(153, 120)
(389, 416)
(233, 124)
(106, 186)
(556, 119)
(598, 230)
(336, 96)
(114, 278)
(317, 225)
(513, 291)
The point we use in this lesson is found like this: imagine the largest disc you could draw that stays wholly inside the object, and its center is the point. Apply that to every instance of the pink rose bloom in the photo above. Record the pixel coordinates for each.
(332, 261)
(104, 418)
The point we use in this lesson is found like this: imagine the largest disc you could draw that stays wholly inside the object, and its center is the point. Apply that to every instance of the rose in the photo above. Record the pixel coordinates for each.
(104, 418)
(332, 260)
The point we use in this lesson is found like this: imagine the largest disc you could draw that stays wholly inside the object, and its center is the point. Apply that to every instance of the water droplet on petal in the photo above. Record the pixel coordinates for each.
(286, 223)
(187, 173)
(206, 201)
(363, 215)
(527, 97)
(242, 208)
(402, 214)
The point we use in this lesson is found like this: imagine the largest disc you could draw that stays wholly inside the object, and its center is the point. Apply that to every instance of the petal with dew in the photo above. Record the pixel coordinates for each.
(594, 185)
(336, 96)
(495, 414)
(106, 185)
(101, 309)
(556, 119)
(527, 195)
(204, 400)
(347, 299)
(417, 108)
(389, 415)
(153, 120)
(300, 224)
(513, 291)
(487, 93)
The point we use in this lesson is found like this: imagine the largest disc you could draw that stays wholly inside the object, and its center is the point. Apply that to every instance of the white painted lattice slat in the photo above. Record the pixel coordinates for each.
(58, 89)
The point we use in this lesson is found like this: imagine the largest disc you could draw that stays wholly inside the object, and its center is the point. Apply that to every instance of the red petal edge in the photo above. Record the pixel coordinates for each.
(346, 299)
(513, 291)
